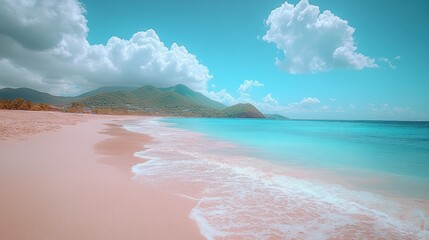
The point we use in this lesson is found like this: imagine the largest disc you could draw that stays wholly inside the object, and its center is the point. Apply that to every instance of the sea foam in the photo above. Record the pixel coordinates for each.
(240, 197)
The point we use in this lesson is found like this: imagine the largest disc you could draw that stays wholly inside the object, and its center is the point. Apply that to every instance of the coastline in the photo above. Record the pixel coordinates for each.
(245, 196)
(63, 177)
(121, 177)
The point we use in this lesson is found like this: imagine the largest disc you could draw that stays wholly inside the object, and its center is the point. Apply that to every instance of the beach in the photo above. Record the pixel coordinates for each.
(83, 176)
(68, 176)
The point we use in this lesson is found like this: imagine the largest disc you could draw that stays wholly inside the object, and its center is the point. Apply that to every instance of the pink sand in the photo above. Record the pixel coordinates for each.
(59, 179)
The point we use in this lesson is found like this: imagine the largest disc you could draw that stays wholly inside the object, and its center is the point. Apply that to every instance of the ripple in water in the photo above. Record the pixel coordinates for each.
(239, 197)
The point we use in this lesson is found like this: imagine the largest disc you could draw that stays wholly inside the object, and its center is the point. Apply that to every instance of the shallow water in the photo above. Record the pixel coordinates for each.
(254, 179)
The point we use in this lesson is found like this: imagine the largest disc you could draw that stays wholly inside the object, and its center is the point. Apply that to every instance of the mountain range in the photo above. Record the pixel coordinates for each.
(178, 100)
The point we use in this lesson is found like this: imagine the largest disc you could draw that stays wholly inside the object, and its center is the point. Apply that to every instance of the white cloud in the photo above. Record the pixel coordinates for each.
(268, 104)
(243, 90)
(312, 107)
(41, 25)
(268, 99)
(307, 104)
(221, 96)
(144, 59)
(9, 71)
(247, 85)
(307, 107)
(309, 101)
(312, 41)
(47, 39)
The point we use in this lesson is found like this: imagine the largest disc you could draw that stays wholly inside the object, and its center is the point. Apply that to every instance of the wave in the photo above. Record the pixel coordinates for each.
(241, 197)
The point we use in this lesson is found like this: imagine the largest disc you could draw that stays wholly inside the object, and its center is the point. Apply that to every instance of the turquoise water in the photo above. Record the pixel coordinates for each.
(262, 179)
(396, 148)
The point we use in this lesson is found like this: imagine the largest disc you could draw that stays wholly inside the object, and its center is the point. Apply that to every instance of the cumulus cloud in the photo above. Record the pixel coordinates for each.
(144, 59)
(268, 99)
(44, 46)
(243, 90)
(311, 106)
(41, 25)
(247, 85)
(309, 101)
(312, 41)
(307, 104)
(268, 104)
(222, 96)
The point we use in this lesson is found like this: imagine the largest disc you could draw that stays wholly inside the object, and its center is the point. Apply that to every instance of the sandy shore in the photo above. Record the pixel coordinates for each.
(67, 176)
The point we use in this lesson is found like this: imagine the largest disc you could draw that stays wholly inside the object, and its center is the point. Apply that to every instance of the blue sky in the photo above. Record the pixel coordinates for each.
(230, 54)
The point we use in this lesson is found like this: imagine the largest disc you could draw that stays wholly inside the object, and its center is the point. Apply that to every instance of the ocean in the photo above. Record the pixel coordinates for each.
(270, 179)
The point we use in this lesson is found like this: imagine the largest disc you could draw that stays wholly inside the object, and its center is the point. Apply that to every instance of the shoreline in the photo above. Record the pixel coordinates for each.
(76, 182)
(67, 180)
(118, 149)
(240, 195)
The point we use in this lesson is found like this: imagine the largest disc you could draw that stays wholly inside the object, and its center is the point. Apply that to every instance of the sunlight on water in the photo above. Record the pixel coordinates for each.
(400, 149)
(241, 195)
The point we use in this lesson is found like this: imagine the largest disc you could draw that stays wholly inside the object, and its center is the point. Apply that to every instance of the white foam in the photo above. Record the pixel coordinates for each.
(208, 231)
(241, 198)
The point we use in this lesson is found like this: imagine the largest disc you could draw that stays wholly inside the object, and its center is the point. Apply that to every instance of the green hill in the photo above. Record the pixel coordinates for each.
(171, 101)
(275, 117)
(176, 101)
(114, 100)
(105, 90)
(194, 96)
(33, 96)
(241, 110)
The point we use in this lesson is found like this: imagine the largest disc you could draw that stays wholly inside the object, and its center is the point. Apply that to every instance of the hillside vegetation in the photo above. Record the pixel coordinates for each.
(153, 101)
(242, 111)
(147, 100)
(34, 96)
(21, 104)
(275, 117)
